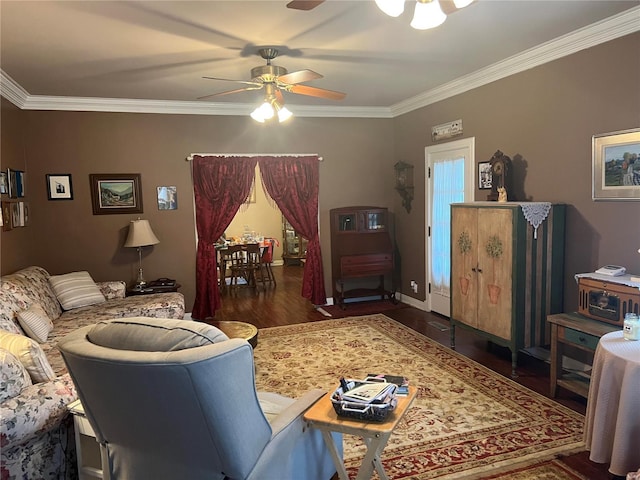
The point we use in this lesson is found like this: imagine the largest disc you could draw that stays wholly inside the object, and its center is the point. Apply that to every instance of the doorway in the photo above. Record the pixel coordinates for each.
(449, 179)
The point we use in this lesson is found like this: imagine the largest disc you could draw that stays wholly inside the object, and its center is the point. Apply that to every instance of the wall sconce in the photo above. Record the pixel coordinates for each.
(404, 183)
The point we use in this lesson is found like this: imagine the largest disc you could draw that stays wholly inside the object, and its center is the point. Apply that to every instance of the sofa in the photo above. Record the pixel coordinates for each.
(36, 430)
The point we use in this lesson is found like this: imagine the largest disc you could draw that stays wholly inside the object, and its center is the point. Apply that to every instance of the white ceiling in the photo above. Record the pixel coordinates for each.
(158, 51)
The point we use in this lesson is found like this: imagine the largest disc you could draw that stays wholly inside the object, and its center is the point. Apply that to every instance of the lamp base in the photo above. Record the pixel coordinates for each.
(140, 281)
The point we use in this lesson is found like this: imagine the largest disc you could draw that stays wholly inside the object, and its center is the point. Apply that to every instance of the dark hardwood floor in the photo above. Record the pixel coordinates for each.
(284, 305)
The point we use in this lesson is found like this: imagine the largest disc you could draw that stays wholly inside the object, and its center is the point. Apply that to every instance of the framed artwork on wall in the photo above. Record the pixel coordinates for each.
(616, 165)
(168, 198)
(15, 183)
(113, 193)
(4, 187)
(484, 176)
(6, 216)
(59, 186)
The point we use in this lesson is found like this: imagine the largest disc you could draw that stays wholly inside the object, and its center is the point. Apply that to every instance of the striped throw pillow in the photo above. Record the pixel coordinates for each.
(76, 290)
(35, 322)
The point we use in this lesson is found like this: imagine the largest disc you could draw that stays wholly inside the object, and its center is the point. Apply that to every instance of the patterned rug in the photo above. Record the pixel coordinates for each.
(466, 421)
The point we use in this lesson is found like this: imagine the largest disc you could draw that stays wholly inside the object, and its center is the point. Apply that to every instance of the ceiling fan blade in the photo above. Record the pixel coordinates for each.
(229, 92)
(246, 82)
(315, 92)
(304, 4)
(300, 76)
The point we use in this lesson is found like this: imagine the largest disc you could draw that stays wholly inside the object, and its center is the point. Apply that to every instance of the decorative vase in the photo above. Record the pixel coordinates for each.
(494, 293)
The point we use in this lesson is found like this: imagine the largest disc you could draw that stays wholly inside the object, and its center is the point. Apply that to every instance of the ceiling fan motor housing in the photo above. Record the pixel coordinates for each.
(268, 73)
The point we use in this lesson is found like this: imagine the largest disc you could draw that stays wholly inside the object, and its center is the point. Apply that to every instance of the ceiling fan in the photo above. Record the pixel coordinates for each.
(275, 79)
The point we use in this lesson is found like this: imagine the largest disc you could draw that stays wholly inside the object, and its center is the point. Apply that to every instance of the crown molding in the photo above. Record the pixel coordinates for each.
(611, 28)
(608, 29)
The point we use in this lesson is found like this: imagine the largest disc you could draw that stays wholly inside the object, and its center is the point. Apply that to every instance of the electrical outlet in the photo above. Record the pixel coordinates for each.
(414, 287)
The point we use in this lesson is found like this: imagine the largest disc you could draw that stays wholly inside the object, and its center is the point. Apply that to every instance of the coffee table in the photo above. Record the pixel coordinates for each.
(375, 434)
(233, 329)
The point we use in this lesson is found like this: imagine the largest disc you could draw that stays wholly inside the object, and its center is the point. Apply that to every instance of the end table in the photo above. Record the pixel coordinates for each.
(154, 289)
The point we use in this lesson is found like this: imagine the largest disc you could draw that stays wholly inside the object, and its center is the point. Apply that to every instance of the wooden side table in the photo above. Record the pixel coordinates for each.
(233, 329)
(87, 448)
(375, 434)
(580, 332)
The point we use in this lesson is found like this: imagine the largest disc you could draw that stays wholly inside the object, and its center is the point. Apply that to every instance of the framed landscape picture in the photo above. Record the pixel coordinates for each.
(616, 165)
(59, 186)
(116, 193)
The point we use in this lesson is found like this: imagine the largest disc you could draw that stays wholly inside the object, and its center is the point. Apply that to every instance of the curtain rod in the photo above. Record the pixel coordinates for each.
(190, 157)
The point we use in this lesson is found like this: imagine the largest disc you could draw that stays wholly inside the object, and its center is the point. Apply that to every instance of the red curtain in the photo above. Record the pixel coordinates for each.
(293, 183)
(221, 184)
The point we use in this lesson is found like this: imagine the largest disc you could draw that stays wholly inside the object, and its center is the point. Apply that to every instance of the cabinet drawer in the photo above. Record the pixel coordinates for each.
(363, 265)
(580, 338)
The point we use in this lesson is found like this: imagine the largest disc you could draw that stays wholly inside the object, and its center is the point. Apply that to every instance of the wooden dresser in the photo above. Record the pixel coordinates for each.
(361, 251)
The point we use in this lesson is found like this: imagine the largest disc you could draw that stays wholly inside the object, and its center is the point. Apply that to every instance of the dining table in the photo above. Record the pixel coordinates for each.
(612, 420)
(223, 248)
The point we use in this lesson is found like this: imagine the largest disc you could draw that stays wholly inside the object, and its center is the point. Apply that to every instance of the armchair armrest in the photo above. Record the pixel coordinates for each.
(295, 410)
(38, 408)
(113, 289)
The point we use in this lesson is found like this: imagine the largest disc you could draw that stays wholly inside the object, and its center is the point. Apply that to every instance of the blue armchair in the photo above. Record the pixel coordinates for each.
(174, 399)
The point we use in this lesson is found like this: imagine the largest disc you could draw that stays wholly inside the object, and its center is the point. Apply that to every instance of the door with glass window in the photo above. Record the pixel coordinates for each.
(449, 168)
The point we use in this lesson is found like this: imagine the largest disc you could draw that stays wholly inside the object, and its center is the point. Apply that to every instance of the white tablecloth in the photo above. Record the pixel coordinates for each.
(612, 422)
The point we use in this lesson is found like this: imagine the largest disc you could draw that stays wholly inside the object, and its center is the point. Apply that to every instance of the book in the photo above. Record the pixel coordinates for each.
(399, 380)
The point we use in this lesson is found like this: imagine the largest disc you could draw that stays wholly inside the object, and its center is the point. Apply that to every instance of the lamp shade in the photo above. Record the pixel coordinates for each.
(140, 234)
(427, 14)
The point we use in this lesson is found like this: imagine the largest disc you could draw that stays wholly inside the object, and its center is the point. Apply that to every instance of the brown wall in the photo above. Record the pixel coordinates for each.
(543, 118)
(69, 237)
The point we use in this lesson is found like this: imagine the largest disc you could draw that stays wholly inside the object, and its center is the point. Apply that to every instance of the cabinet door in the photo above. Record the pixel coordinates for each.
(373, 221)
(464, 258)
(495, 282)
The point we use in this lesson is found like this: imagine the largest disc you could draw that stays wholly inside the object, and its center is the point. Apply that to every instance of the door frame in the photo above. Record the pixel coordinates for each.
(467, 144)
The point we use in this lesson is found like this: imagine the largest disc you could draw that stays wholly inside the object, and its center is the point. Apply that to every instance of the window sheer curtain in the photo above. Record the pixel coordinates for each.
(220, 185)
(293, 183)
(448, 188)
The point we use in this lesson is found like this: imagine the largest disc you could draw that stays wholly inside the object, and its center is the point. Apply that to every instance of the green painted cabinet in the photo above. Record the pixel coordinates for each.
(506, 275)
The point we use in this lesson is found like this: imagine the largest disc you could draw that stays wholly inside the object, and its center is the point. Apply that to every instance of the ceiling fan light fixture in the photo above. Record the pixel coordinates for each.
(263, 112)
(393, 8)
(462, 3)
(427, 14)
(284, 113)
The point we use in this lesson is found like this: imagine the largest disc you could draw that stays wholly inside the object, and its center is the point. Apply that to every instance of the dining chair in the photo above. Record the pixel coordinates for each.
(245, 265)
(266, 259)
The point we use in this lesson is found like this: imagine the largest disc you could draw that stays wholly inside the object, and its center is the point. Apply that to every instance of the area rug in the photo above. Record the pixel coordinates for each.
(550, 470)
(466, 420)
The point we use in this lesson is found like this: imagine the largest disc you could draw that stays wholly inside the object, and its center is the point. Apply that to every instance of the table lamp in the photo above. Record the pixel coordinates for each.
(140, 235)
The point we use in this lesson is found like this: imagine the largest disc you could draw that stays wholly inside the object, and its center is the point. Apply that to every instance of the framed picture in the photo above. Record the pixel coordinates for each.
(59, 186)
(116, 193)
(15, 183)
(167, 198)
(4, 186)
(484, 176)
(6, 216)
(616, 165)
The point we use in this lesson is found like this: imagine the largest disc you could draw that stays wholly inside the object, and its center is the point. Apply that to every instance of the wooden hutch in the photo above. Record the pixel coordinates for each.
(361, 248)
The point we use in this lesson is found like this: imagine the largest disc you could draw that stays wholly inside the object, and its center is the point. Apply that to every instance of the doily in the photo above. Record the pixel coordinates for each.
(535, 213)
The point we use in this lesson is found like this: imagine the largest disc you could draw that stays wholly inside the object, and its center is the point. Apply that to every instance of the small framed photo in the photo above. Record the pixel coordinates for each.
(15, 183)
(6, 216)
(167, 198)
(616, 165)
(59, 186)
(484, 176)
(4, 186)
(113, 193)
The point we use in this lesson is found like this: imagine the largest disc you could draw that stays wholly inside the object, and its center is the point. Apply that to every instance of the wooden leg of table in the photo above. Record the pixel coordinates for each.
(375, 446)
(337, 461)
(554, 370)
